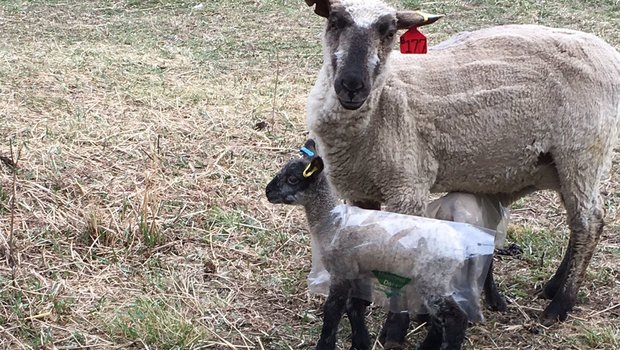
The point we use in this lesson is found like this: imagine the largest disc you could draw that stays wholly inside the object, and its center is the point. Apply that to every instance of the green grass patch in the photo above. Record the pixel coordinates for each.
(156, 323)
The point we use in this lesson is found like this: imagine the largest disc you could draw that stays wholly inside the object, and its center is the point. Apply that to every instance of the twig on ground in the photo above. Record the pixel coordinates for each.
(13, 259)
(603, 311)
(514, 302)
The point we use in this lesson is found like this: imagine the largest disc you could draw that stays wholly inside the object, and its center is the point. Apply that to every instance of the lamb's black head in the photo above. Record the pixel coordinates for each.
(296, 181)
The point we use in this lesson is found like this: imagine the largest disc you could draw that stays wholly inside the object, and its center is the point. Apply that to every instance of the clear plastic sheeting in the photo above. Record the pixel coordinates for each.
(400, 261)
(483, 210)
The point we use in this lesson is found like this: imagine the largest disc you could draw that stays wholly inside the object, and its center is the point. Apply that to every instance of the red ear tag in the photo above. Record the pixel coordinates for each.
(413, 41)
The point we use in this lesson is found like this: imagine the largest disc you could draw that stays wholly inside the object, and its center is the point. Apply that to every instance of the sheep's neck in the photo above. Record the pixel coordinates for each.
(318, 210)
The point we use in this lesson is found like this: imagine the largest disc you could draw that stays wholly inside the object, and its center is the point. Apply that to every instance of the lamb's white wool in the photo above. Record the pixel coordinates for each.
(366, 12)
(340, 55)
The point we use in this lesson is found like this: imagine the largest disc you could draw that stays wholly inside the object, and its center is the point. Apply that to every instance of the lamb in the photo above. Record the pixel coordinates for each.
(486, 211)
(353, 248)
(505, 110)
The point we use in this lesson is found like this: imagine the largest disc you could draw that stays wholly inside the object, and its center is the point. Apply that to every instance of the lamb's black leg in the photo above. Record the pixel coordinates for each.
(332, 313)
(453, 321)
(434, 337)
(359, 299)
(494, 300)
(356, 312)
(394, 330)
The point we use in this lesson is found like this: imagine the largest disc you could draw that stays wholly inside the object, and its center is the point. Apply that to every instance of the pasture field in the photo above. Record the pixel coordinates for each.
(136, 140)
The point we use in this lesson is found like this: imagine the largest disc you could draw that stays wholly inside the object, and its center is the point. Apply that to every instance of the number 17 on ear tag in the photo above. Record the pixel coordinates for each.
(413, 41)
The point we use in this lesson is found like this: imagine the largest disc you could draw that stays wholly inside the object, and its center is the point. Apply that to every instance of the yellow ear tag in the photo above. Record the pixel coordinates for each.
(308, 172)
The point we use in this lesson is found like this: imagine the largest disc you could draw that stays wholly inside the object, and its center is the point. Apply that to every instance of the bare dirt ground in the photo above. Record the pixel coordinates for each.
(143, 134)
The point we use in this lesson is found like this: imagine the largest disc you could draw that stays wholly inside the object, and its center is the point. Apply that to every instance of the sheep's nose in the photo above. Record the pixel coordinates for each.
(352, 83)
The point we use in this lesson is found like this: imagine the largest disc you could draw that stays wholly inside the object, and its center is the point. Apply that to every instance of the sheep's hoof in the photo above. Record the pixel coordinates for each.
(550, 289)
(556, 311)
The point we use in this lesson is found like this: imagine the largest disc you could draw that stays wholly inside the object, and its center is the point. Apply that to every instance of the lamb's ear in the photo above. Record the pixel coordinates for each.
(408, 19)
(314, 168)
(321, 8)
(308, 149)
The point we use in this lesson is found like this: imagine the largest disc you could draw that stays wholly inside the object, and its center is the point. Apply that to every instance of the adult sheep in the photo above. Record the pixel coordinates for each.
(505, 110)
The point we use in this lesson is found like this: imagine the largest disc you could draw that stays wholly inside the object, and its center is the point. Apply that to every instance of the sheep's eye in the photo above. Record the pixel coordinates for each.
(390, 34)
(292, 180)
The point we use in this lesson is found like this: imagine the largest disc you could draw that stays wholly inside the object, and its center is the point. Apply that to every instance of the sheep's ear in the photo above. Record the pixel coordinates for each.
(308, 149)
(314, 168)
(321, 8)
(408, 19)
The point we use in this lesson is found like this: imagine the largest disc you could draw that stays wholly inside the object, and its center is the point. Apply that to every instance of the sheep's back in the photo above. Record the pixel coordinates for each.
(490, 105)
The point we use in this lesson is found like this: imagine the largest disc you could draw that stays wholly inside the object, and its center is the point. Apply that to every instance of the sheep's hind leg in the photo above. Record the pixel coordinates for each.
(585, 213)
(332, 313)
(557, 281)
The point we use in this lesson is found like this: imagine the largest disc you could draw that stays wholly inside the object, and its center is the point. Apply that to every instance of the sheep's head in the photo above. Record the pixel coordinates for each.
(359, 36)
(296, 182)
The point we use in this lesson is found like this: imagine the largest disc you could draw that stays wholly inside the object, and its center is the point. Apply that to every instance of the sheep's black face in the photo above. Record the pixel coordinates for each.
(359, 44)
(359, 37)
(290, 185)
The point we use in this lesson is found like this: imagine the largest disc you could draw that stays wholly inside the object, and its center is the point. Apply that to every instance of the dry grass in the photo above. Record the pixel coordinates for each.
(139, 219)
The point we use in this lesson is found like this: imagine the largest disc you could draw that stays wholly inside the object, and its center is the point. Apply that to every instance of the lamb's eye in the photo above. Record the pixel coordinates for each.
(337, 22)
(292, 180)
(390, 34)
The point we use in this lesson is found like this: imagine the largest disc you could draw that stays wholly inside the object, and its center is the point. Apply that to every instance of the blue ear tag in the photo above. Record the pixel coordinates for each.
(306, 152)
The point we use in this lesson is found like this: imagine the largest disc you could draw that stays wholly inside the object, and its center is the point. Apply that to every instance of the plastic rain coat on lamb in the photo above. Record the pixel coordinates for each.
(402, 261)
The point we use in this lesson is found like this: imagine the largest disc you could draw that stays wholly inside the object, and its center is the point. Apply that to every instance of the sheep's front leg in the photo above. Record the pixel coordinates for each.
(332, 313)
(410, 200)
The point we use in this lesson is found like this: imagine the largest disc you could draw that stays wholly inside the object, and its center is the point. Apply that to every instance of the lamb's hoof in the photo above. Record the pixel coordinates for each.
(498, 303)
(390, 344)
(428, 346)
(394, 345)
(361, 343)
